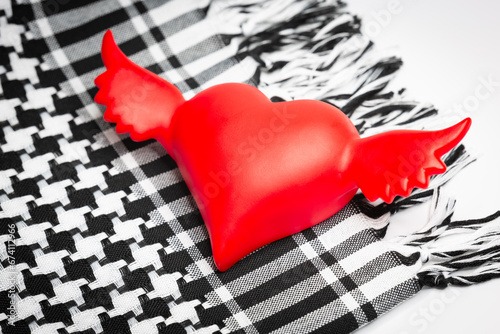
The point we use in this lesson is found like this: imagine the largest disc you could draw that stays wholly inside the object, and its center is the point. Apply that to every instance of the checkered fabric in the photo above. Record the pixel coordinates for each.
(101, 235)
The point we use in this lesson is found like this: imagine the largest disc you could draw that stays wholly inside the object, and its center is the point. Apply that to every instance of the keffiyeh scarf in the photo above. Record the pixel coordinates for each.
(101, 235)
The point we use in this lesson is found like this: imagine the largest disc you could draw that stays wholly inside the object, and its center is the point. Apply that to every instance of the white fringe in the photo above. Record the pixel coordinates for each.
(321, 57)
(454, 252)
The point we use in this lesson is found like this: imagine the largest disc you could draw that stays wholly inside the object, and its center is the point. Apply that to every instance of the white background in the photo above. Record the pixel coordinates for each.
(447, 47)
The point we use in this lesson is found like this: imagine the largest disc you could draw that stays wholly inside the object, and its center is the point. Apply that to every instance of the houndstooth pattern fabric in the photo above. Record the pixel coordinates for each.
(101, 235)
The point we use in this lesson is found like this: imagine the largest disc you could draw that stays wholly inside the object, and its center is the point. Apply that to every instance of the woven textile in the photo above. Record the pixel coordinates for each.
(100, 233)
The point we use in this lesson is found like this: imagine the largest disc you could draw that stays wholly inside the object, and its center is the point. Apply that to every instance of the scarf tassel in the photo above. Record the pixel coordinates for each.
(312, 49)
(461, 253)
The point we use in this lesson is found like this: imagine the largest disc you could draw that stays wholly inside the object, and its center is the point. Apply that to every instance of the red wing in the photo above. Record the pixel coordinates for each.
(139, 101)
(395, 162)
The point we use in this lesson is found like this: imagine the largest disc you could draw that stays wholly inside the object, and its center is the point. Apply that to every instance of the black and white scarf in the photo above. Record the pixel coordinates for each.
(100, 233)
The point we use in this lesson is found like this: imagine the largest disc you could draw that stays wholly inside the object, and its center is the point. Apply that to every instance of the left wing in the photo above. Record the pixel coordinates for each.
(139, 101)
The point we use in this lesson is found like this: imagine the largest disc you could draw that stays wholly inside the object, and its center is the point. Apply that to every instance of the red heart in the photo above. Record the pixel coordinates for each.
(260, 171)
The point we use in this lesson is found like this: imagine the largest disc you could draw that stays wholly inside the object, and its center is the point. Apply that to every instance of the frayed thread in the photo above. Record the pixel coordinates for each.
(311, 49)
(462, 252)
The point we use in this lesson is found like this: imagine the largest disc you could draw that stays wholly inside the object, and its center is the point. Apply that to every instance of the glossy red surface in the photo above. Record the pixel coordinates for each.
(260, 171)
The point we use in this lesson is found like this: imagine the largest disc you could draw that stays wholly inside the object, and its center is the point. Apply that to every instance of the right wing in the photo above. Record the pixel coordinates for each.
(395, 162)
